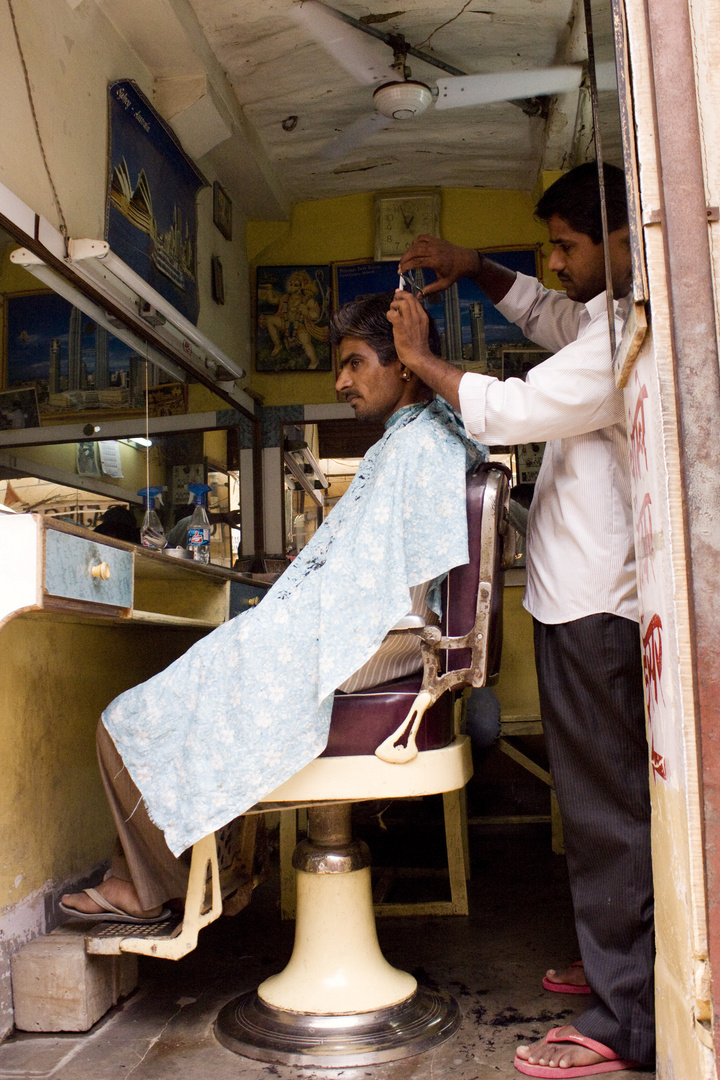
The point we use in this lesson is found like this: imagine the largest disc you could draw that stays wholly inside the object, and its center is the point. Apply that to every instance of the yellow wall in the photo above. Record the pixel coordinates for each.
(330, 230)
(57, 675)
(64, 456)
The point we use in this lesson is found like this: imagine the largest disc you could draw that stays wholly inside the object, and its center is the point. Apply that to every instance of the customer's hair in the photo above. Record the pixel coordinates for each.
(367, 319)
(575, 197)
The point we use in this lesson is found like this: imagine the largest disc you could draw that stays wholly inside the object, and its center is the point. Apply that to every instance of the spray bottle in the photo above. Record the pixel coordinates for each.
(151, 533)
(198, 534)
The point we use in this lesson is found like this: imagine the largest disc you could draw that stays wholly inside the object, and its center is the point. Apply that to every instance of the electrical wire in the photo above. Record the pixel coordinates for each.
(58, 207)
(446, 23)
(147, 428)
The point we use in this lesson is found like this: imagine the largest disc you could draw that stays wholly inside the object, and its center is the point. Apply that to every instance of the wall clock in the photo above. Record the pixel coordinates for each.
(401, 216)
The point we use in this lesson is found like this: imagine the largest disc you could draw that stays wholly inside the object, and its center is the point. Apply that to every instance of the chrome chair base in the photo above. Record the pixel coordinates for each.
(248, 1026)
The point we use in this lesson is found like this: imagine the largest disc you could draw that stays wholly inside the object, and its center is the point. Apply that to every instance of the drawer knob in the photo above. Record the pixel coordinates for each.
(253, 601)
(100, 570)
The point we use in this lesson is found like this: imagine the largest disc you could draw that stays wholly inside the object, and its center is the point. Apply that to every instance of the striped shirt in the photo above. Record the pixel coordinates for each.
(398, 655)
(580, 550)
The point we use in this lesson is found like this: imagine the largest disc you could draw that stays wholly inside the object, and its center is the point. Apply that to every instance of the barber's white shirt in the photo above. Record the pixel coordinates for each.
(580, 551)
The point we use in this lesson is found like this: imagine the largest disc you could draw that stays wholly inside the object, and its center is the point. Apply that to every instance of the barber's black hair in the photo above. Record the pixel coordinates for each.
(575, 197)
(367, 319)
(119, 522)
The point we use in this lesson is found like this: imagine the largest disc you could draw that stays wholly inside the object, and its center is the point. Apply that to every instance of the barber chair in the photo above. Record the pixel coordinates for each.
(338, 1002)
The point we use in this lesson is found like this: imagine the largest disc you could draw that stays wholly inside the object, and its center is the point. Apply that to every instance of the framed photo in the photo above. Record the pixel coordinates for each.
(222, 210)
(151, 215)
(19, 409)
(293, 318)
(88, 459)
(217, 280)
(401, 216)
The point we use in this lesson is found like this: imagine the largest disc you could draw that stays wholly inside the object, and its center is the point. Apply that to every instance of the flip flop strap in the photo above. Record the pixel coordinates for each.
(582, 1040)
(103, 903)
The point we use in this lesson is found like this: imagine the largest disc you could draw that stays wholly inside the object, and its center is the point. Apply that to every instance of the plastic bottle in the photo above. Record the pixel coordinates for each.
(198, 534)
(151, 532)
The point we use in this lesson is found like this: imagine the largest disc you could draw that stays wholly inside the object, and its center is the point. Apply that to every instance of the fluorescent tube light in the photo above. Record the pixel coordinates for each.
(95, 258)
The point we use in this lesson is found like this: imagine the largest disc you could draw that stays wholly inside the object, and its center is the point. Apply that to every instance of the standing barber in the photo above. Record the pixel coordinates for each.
(581, 590)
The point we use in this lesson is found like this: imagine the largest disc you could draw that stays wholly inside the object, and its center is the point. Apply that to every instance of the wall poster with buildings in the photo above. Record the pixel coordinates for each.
(472, 330)
(151, 218)
(77, 369)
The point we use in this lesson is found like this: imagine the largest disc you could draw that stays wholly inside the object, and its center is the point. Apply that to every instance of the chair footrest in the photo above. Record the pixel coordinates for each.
(110, 939)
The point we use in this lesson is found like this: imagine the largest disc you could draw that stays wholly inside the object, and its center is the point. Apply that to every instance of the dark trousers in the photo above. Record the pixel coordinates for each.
(591, 701)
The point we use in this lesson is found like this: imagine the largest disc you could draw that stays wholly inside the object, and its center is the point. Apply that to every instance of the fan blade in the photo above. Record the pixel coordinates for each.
(368, 60)
(359, 132)
(459, 90)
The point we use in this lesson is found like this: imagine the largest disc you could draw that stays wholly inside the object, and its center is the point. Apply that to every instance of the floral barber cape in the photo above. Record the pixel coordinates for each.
(249, 705)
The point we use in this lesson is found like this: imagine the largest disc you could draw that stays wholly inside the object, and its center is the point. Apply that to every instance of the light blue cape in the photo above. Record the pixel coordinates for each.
(249, 705)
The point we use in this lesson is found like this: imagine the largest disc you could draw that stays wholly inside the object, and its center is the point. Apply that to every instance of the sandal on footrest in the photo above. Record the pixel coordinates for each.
(110, 913)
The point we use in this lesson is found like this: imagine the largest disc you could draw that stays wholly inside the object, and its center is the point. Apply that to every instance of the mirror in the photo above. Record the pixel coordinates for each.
(81, 395)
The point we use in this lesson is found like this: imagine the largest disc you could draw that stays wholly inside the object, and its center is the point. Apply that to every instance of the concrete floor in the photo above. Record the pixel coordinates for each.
(492, 962)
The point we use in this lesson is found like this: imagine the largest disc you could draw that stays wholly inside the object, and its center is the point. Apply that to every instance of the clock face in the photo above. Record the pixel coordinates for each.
(401, 219)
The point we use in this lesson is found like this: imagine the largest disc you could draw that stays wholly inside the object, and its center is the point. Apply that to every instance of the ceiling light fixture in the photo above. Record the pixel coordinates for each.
(402, 100)
(95, 257)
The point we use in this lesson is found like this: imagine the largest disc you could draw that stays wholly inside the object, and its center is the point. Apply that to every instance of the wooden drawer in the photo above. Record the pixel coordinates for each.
(244, 596)
(69, 564)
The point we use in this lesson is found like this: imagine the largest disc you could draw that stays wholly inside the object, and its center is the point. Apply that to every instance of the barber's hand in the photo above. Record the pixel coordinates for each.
(447, 260)
(410, 325)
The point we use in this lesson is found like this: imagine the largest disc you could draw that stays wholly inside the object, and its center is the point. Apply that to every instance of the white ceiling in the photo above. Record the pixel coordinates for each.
(261, 67)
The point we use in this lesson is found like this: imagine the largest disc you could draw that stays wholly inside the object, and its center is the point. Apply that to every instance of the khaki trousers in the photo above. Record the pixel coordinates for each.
(141, 854)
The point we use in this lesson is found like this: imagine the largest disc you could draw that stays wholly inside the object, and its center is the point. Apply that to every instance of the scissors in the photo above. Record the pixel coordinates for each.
(407, 283)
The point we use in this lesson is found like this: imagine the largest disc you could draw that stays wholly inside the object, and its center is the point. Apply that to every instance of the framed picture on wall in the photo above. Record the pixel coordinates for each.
(292, 318)
(151, 216)
(222, 210)
(217, 280)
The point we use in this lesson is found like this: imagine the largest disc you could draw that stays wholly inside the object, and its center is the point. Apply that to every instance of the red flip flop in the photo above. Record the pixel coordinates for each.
(566, 988)
(612, 1063)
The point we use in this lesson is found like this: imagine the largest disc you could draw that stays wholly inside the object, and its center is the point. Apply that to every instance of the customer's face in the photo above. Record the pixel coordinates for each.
(374, 390)
(580, 265)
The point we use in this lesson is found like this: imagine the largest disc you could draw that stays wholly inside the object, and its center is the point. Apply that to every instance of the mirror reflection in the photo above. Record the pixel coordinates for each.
(63, 369)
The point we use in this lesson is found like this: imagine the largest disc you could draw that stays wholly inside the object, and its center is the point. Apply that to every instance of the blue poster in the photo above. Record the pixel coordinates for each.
(75, 366)
(151, 220)
(468, 323)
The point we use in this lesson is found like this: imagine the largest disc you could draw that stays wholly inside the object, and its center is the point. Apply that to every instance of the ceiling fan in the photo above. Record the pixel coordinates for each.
(361, 49)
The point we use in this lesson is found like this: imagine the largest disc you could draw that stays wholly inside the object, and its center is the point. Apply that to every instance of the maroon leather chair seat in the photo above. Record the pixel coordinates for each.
(362, 720)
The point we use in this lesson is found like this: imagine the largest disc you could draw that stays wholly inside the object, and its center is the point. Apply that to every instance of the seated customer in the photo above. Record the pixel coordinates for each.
(249, 705)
